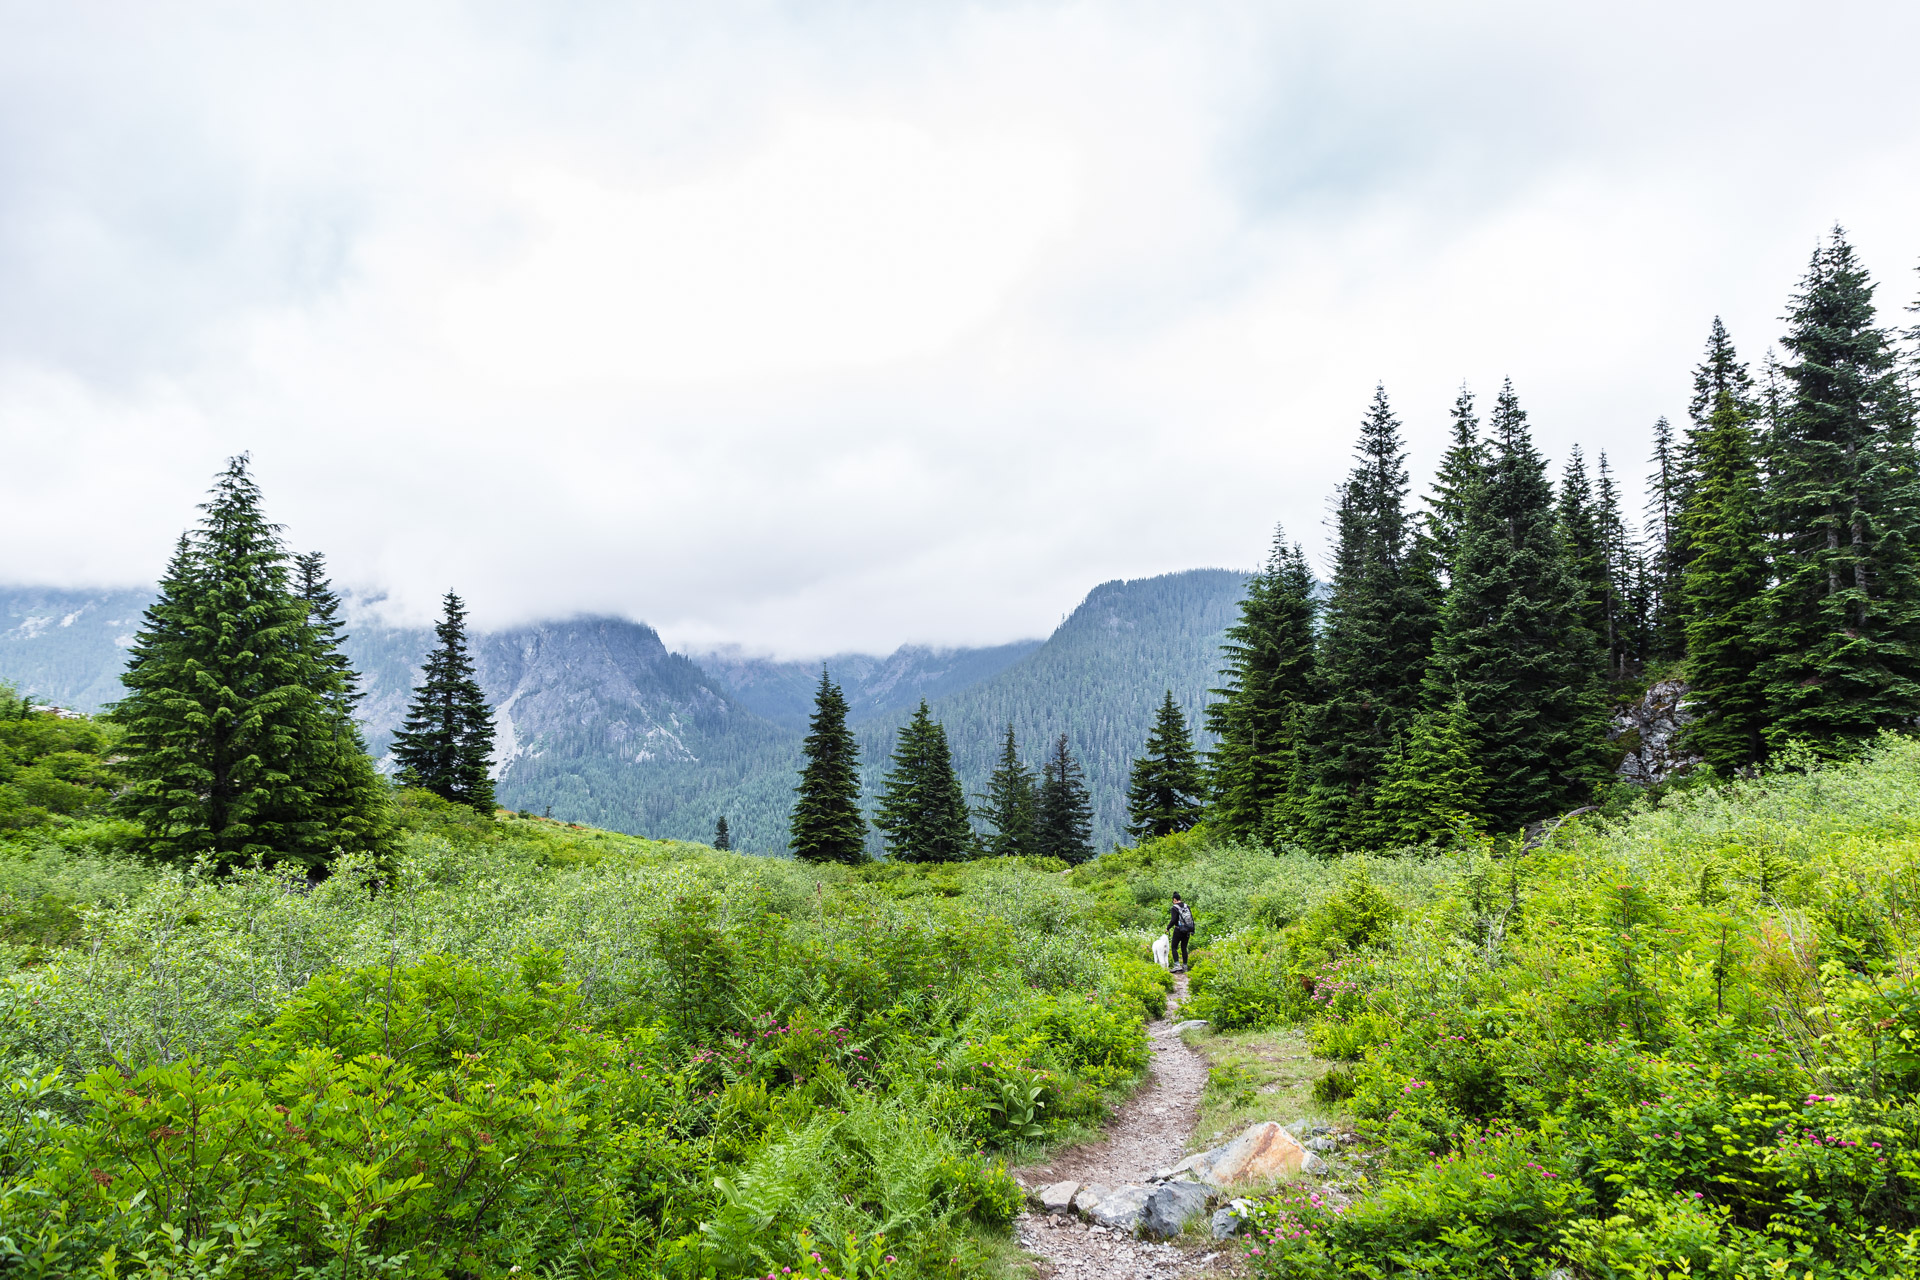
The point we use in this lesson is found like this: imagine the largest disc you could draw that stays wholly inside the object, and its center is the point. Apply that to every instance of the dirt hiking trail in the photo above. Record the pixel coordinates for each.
(1149, 1133)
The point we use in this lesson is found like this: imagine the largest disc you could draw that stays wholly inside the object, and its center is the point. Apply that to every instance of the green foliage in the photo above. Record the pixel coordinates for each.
(446, 743)
(524, 1043)
(826, 824)
(1166, 788)
(1433, 789)
(52, 766)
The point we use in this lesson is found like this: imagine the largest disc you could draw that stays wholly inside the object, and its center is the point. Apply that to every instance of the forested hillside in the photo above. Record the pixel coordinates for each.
(782, 691)
(600, 723)
(1098, 679)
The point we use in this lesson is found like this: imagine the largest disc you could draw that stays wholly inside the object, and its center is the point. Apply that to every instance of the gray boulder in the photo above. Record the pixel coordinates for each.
(1089, 1195)
(1191, 1024)
(1122, 1209)
(1171, 1206)
(1058, 1197)
(1226, 1222)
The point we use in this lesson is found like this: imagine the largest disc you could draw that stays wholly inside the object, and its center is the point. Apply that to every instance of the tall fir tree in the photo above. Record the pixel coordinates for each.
(231, 749)
(1727, 577)
(922, 810)
(1433, 788)
(1063, 817)
(826, 824)
(722, 838)
(1461, 471)
(1377, 639)
(1586, 551)
(1255, 779)
(1166, 791)
(1626, 610)
(1010, 805)
(1842, 623)
(344, 775)
(1667, 551)
(445, 745)
(1512, 647)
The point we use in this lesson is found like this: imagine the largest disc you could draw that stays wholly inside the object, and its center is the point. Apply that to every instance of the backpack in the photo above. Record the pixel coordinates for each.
(1183, 916)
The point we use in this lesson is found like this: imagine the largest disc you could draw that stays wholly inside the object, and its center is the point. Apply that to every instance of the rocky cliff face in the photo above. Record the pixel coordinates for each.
(1648, 731)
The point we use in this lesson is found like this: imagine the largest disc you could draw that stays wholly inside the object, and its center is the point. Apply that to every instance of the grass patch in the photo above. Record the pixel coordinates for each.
(1254, 1076)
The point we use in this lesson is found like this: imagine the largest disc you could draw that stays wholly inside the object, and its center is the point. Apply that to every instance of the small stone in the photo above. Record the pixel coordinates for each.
(1058, 1198)
(1226, 1223)
(1314, 1164)
(1191, 1024)
(1321, 1144)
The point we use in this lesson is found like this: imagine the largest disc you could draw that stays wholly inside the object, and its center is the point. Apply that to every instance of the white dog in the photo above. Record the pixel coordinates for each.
(1163, 952)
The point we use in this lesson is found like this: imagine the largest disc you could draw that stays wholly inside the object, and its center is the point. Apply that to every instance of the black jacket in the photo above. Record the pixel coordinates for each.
(1173, 920)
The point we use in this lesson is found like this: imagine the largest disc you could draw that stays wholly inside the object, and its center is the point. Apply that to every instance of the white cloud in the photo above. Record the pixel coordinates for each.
(856, 326)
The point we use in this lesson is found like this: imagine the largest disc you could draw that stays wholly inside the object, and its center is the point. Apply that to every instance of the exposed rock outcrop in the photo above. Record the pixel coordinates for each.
(1647, 732)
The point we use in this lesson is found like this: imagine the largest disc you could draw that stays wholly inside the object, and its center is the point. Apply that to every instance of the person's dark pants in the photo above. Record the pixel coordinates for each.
(1180, 946)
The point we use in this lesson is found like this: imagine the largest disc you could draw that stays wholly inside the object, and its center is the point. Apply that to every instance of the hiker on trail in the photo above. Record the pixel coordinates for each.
(1179, 928)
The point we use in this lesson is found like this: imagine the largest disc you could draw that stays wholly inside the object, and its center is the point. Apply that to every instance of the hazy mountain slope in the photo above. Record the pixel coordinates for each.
(1098, 679)
(68, 647)
(600, 722)
(783, 691)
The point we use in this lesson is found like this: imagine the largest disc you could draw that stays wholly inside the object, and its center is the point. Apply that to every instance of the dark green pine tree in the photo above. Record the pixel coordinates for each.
(1512, 646)
(1166, 791)
(1454, 483)
(923, 812)
(1667, 553)
(1842, 625)
(230, 743)
(1626, 606)
(1376, 642)
(1063, 814)
(446, 742)
(1726, 580)
(343, 773)
(1433, 788)
(826, 824)
(722, 838)
(1256, 782)
(1010, 805)
(1586, 552)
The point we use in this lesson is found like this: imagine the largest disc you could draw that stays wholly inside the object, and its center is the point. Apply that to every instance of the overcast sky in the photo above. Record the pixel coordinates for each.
(825, 326)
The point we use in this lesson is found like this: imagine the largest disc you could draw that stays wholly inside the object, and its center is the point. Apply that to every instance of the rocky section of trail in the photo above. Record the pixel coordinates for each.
(1147, 1137)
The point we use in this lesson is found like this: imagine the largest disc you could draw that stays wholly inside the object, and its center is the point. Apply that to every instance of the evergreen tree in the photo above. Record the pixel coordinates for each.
(1460, 473)
(343, 774)
(1166, 790)
(1726, 578)
(445, 744)
(826, 824)
(1376, 643)
(1511, 644)
(722, 838)
(1063, 817)
(1010, 805)
(923, 811)
(1433, 787)
(1586, 551)
(1626, 609)
(1256, 780)
(1666, 499)
(231, 750)
(1842, 625)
